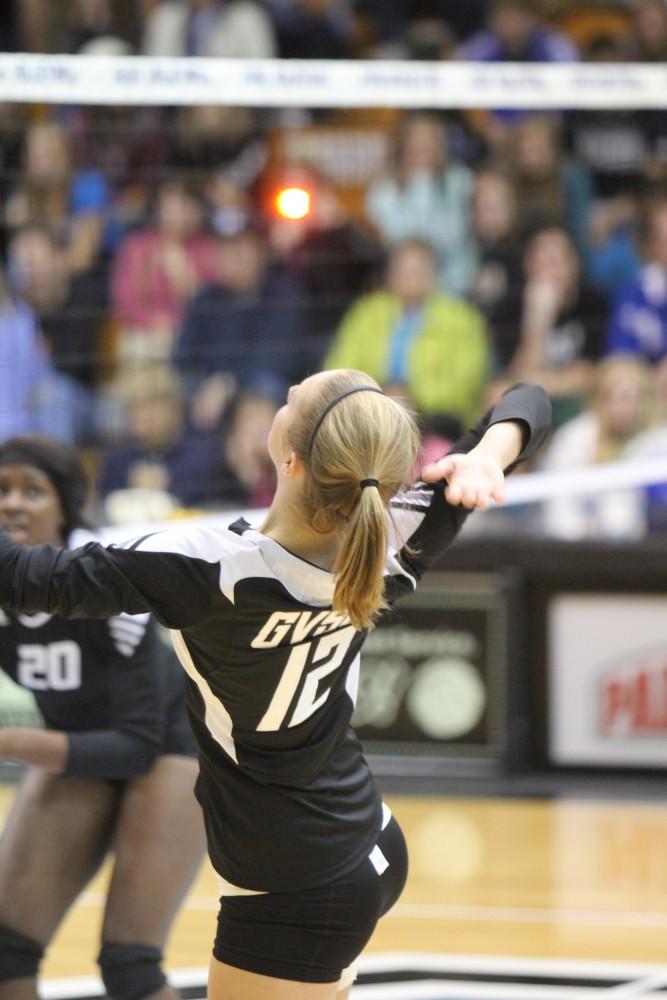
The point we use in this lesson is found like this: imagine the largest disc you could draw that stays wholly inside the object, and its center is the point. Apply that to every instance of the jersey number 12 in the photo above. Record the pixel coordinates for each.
(324, 655)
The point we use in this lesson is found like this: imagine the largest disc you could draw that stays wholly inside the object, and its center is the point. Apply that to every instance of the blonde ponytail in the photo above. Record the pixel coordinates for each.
(359, 566)
(359, 448)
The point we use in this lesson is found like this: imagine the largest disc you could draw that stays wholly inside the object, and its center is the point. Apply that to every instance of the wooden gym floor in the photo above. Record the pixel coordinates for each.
(518, 880)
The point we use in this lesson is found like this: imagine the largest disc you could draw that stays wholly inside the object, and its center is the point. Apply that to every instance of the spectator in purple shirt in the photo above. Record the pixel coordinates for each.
(514, 33)
(313, 29)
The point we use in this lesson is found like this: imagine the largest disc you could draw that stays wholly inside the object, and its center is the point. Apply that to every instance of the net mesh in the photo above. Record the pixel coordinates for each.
(182, 239)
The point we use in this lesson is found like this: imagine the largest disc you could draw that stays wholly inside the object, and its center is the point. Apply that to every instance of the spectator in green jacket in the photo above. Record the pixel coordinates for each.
(417, 342)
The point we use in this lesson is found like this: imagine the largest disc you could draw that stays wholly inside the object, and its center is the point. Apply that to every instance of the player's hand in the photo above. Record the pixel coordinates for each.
(473, 481)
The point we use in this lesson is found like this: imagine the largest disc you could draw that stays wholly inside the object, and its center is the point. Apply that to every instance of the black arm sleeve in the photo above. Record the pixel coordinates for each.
(98, 582)
(425, 523)
(110, 754)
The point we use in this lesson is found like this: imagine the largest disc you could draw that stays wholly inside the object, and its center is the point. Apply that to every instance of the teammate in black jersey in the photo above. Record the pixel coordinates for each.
(114, 767)
(268, 625)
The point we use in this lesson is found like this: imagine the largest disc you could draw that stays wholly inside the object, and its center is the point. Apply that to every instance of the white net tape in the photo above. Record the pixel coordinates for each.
(532, 487)
(140, 80)
(540, 486)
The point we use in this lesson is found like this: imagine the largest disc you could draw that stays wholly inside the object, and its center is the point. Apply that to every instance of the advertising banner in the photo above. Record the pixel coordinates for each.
(607, 679)
(433, 676)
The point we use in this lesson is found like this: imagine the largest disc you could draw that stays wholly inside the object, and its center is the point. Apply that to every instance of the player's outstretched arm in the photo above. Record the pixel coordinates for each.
(477, 479)
(470, 476)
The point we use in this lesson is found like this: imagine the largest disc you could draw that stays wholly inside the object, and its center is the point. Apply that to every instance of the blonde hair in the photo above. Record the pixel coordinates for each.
(366, 435)
(610, 371)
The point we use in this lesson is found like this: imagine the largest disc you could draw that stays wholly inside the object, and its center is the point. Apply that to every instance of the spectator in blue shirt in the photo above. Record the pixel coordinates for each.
(34, 397)
(639, 319)
(159, 451)
(240, 348)
(243, 332)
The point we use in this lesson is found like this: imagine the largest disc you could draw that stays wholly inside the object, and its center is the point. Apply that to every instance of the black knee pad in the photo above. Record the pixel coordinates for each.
(131, 971)
(20, 956)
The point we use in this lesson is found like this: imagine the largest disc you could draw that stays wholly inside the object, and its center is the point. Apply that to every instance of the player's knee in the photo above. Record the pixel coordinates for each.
(131, 971)
(20, 956)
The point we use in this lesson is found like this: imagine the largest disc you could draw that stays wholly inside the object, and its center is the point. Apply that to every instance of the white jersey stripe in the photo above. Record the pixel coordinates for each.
(352, 680)
(127, 632)
(246, 561)
(402, 523)
(123, 632)
(129, 625)
(217, 719)
(304, 581)
(124, 648)
(386, 815)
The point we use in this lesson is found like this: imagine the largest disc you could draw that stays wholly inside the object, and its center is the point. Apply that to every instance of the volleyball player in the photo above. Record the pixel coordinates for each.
(115, 766)
(268, 625)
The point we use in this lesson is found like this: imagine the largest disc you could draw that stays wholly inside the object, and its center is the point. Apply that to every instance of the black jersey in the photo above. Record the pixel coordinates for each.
(288, 799)
(112, 686)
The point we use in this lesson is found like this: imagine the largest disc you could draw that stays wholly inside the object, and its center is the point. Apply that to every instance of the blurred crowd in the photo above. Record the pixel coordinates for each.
(168, 273)
(529, 30)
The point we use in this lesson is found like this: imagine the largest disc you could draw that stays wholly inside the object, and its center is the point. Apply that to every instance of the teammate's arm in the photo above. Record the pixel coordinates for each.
(112, 754)
(43, 748)
(36, 747)
(127, 747)
(129, 744)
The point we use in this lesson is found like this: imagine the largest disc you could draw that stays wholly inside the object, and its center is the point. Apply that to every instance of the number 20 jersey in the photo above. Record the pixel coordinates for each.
(288, 799)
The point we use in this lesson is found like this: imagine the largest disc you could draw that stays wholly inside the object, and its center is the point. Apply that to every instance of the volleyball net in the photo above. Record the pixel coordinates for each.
(322, 84)
(261, 140)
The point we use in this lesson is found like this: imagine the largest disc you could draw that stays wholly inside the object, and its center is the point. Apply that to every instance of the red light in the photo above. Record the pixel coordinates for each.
(293, 203)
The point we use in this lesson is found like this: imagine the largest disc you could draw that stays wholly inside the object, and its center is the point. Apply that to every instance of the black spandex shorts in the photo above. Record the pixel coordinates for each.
(311, 936)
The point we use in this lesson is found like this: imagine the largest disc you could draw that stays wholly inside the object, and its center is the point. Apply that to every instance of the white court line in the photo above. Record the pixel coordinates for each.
(422, 990)
(443, 990)
(639, 988)
(84, 986)
(499, 964)
(78, 986)
(645, 977)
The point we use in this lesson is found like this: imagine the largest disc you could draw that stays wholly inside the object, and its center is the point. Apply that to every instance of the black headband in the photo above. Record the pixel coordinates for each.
(334, 402)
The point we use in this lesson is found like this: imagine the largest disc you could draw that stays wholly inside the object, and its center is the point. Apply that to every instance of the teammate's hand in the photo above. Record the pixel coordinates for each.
(473, 481)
